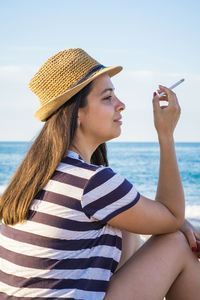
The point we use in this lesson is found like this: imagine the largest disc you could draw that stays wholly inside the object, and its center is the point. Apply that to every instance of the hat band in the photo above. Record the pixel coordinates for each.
(96, 68)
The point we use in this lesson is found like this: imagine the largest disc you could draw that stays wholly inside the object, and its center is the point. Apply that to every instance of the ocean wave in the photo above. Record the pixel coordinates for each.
(192, 213)
(2, 188)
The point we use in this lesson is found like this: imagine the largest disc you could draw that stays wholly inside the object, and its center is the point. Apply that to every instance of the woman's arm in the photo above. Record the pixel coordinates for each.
(167, 213)
(169, 191)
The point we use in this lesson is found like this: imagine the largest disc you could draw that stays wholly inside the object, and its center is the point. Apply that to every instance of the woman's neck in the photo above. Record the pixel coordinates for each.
(84, 151)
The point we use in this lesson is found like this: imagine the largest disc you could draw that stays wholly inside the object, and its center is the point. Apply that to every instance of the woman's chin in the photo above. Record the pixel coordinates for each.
(114, 136)
(119, 132)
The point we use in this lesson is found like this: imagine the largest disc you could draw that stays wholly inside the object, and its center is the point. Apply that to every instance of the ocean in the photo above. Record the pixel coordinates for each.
(138, 162)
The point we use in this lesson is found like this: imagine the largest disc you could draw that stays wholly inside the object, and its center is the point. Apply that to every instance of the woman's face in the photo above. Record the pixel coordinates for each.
(99, 119)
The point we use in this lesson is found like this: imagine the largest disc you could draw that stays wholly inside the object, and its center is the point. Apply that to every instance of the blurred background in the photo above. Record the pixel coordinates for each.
(156, 42)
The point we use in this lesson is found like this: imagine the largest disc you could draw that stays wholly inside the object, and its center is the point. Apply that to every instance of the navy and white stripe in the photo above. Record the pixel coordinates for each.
(107, 194)
(66, 249)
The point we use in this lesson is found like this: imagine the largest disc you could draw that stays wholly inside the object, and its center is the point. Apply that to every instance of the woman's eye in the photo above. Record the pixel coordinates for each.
(107, 98)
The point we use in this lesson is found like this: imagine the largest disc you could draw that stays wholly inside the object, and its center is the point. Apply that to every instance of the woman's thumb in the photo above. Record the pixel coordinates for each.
(156, 104)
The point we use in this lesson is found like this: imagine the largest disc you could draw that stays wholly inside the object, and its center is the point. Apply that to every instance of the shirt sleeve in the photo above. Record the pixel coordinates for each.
(107, 194)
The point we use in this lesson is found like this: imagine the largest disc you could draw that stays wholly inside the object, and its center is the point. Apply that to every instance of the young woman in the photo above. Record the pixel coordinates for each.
(68, 218)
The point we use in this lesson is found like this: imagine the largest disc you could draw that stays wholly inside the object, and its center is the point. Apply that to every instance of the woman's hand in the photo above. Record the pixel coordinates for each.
(166, 117)
(193, 237)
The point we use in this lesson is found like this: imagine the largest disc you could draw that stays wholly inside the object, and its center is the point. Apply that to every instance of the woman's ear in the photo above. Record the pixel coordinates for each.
(78, 119)
(80, 116)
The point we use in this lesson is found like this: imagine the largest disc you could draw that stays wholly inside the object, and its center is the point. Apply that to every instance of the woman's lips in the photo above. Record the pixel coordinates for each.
(118, 121)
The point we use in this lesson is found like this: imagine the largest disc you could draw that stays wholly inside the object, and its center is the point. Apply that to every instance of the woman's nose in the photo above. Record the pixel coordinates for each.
(120, 105)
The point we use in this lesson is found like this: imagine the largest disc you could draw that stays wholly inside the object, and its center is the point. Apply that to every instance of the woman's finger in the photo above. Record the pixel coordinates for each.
(155, 102)
(198, 245)
(191, 240)
(162, 98)
(197, 252)
(197, 234)
(198, 248)
(170, 94)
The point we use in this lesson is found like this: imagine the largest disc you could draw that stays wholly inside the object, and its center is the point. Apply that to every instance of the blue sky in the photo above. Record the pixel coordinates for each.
(156, 42)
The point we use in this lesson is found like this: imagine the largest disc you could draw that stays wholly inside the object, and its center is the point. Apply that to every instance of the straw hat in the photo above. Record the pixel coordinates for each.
(62, 76)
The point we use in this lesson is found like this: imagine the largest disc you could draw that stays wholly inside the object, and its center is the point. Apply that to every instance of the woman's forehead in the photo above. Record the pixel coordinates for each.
(101, 83)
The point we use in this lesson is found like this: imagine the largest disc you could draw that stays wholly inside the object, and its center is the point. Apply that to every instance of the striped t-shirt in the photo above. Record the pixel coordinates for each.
(66, 249)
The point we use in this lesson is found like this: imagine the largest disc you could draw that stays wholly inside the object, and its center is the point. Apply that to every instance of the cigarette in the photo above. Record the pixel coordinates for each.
(172, 87)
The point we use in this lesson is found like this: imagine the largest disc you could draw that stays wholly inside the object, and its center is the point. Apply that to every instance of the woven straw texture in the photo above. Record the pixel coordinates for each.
(52, 79)
(62, 76)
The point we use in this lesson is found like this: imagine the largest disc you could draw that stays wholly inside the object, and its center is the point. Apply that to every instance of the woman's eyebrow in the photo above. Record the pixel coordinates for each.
(107, 89)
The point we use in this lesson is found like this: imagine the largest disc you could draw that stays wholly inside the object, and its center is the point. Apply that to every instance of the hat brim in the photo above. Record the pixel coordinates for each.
(48, 109)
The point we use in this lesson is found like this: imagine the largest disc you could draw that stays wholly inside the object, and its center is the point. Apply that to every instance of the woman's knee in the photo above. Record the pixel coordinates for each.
(162, 255)
(177, 239)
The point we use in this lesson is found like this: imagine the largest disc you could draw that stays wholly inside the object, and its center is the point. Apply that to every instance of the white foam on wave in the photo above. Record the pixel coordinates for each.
(2, 188)
(192, 211)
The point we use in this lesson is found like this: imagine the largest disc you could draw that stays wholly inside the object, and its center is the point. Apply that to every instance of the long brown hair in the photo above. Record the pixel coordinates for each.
(49, 148)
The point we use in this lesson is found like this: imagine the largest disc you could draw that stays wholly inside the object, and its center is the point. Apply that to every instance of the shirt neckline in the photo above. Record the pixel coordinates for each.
(73, 154)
